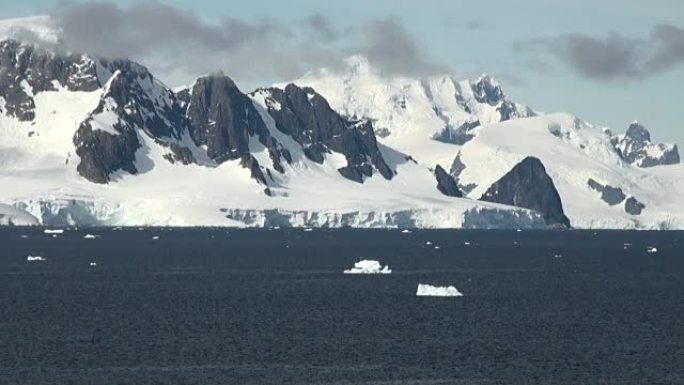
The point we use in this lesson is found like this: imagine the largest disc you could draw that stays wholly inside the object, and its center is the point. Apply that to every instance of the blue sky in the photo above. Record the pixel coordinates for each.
(596, 58)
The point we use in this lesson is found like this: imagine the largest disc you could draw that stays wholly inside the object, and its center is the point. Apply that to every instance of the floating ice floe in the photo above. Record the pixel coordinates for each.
(437, 291)
(368, 267)
(90, 236)
(35, 258)
(651, 250)
(93, 264)
(406, 231)
(24, 236)
(558, 256)
(436, 247)
(156, 237)
(428, 243)
(466, 243)
(56, 231)
(308, 229)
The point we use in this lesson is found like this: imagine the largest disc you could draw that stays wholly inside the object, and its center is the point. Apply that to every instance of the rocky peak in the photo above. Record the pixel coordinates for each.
(487, 90)
(635, 147)
(528, 185)
(638, 133)
(222, 118)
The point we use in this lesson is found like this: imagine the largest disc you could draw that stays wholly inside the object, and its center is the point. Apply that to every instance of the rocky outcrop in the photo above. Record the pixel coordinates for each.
(446, 183)
(636, 148)
(528, 185)
(487, 91)
(307, 117)
(609, 194)
(633, 206)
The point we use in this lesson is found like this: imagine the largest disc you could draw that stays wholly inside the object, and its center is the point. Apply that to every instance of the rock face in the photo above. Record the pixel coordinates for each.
(446, 183)
(222, 118)
(635, 148)
(528, 185)
(307, 117)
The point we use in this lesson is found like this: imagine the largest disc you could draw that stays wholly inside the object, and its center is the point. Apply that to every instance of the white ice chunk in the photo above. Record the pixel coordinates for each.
(36, 258)
(651, 250)
(91, 236)
(436, 291)
(55, 231)
(368, 267)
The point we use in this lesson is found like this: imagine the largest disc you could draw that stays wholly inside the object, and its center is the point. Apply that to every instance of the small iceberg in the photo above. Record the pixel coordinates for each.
(406, 231)
(56, 231)
(36, 258)
(437, 291)
(368, 267)
(651, 250)
(90, 236)
(156, 237)
(308, 230)
(93, 264)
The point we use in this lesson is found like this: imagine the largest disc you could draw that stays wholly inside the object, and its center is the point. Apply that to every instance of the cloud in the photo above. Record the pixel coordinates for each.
(322, 27)
(179, 46)
(614, 57)
(389, 45)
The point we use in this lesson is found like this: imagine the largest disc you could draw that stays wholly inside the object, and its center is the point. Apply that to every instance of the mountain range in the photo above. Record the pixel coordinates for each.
(89, 141)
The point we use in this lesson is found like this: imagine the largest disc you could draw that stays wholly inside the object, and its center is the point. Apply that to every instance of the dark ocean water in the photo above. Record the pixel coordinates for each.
(273, 307)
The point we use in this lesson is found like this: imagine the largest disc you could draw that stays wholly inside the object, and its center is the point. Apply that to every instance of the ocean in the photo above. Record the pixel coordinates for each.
(224, 306)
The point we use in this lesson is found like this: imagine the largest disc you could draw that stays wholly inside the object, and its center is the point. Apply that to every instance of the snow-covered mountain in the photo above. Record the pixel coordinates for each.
(89, 141)
(501, 151)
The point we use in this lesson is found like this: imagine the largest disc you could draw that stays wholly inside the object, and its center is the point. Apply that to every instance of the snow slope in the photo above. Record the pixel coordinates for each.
(573, 152)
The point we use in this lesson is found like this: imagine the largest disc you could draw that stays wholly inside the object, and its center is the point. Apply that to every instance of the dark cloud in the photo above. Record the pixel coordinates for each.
(322, 27)
(389, 45)
(614, 57)
(179, 45)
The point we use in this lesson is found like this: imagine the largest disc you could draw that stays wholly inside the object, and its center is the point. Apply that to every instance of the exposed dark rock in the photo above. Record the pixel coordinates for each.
(609, 194)
(635, 147)
(457, 168)
(485, 90)
(633, 206)
(26, 70)
(249, 162)
(528, 185)
(223, 118)
(446, 183)
(307, 117)
(180, 154)
(459, 135)
(101, 152)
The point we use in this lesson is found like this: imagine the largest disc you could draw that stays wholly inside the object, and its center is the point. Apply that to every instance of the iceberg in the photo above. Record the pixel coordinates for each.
(56, 231)
(36, 258)
(90, 236)
(436, 291)
(652, 250)
(368, 267)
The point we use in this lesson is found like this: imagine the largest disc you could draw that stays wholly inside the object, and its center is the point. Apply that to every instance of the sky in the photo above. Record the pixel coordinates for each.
(608, 61)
